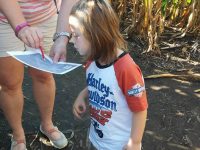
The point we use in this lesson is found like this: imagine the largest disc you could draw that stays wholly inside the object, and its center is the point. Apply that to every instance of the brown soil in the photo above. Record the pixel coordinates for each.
(173, 121)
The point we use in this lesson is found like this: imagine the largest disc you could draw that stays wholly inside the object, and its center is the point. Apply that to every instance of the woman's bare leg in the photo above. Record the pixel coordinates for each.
(11, 96)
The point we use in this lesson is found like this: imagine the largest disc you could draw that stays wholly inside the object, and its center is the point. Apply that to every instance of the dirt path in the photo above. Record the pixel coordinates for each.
(173, 116)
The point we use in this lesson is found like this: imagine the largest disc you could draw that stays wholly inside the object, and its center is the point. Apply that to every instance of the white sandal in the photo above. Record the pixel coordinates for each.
(57, 143)
(16, 143)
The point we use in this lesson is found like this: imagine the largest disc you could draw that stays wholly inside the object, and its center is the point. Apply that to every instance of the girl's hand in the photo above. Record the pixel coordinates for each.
(31, 36)
(132, 146)
(79, 106)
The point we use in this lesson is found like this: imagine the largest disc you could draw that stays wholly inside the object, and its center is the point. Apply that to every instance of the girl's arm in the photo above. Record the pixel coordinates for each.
(138, 125)
(79, 106)
(29, 35)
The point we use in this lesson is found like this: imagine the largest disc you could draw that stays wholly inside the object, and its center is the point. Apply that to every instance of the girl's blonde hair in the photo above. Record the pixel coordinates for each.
(100, 26)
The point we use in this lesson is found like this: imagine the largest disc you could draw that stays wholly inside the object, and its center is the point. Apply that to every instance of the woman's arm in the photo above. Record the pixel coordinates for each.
(12, 11)
(58, 50)
(29, 35)
(63, 17)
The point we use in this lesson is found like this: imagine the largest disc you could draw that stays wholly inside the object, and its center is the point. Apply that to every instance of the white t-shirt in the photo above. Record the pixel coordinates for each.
(114, 92)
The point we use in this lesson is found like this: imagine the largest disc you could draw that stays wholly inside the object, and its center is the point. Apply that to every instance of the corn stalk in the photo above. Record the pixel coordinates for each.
(147, 19)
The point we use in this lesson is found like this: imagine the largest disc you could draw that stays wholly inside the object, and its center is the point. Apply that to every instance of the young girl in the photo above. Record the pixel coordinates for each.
(115, 86)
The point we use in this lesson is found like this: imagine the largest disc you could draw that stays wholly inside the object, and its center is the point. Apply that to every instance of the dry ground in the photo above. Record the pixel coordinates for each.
(173, 121)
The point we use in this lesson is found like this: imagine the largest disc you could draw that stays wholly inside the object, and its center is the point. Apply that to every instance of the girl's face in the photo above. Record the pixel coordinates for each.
(81, 44)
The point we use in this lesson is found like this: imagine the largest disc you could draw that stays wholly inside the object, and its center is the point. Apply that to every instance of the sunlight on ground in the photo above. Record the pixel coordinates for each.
(184, 60)
(158, 71)
(178, 146)
(198, 95)
(156, 88)
(151, 133)
(170, 144)
(182, 81)
(180, 92)
(180, 113)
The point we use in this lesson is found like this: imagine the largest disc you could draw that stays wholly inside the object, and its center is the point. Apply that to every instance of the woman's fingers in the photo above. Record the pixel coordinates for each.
(35, 39)
(41, 38)
(31, 36)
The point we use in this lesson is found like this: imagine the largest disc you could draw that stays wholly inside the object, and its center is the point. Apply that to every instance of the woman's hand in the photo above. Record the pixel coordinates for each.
(58, 51)
(79, 106)
(31, 36)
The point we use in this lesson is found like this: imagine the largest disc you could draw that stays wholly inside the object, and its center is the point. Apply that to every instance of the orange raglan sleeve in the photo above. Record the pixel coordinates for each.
(131, 82)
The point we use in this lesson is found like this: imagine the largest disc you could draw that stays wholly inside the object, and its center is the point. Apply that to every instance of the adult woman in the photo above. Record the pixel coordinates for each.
(26, 24)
